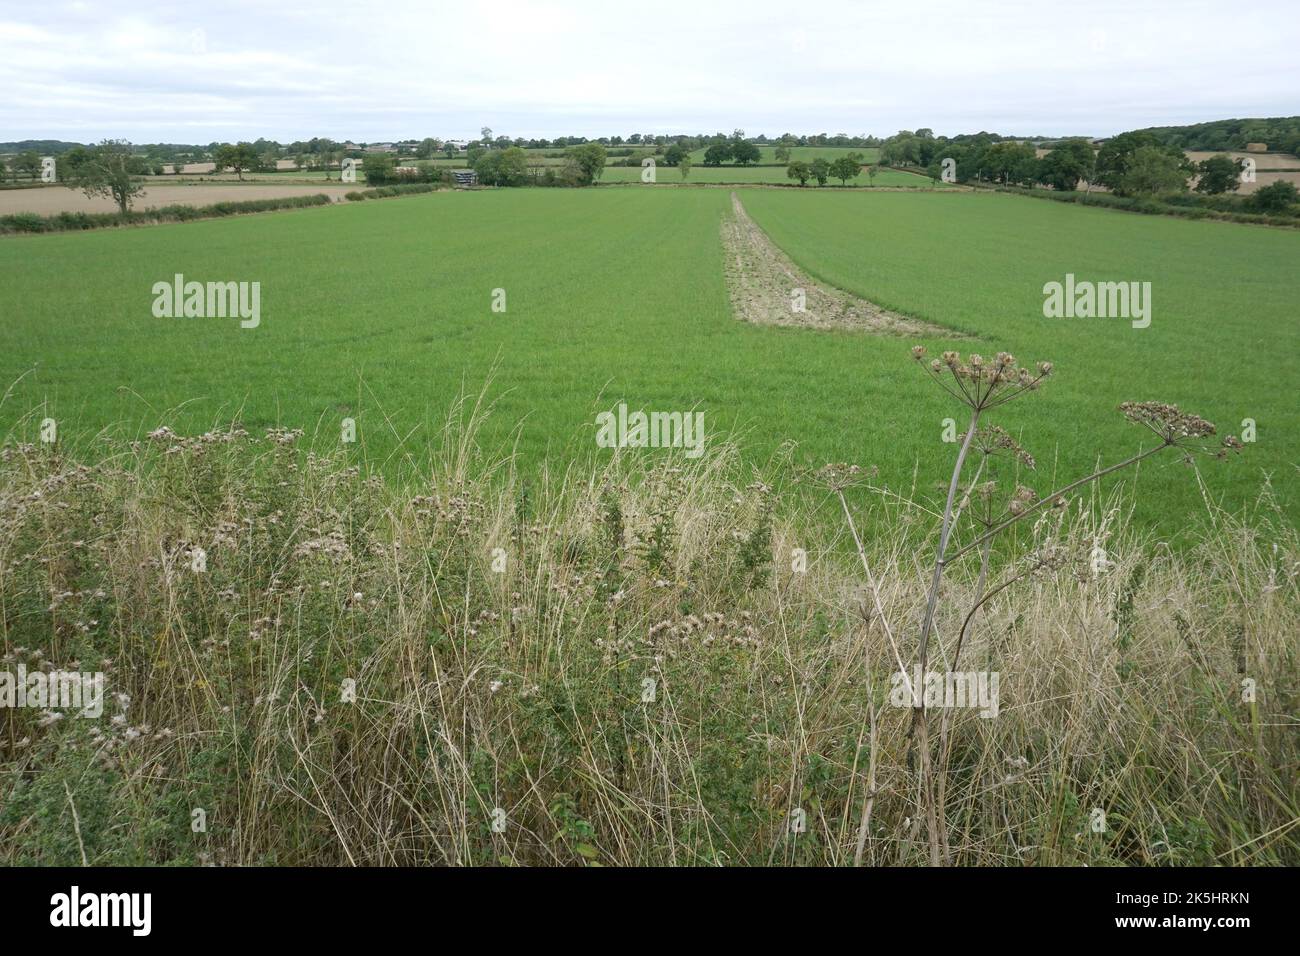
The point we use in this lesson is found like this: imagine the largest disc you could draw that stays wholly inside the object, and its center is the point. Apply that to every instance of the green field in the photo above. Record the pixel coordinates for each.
(382, 312)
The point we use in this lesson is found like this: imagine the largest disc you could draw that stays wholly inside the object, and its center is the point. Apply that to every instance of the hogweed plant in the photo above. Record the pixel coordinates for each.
(982, 386)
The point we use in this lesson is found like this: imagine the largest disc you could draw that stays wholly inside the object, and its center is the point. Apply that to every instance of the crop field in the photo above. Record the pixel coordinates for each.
(165, 191)
(592, 277)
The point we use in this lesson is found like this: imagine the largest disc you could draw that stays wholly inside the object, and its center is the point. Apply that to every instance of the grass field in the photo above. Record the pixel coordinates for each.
(382, 312)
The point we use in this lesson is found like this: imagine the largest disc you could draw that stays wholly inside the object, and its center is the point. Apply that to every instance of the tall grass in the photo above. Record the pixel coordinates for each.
(526, 690)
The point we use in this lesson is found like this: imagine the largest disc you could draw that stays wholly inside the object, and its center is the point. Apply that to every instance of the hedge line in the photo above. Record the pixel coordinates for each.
(71, 221)
(1186, 206)
(382, 192)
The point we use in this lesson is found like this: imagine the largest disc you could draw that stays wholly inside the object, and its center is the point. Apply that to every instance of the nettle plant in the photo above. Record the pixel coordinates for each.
(982, 386)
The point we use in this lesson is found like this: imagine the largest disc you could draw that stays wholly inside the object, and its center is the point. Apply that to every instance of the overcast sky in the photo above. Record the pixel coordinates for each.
(200, 71)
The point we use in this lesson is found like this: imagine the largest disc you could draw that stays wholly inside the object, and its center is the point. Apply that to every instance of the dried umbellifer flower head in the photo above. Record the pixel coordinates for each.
(1170, 422)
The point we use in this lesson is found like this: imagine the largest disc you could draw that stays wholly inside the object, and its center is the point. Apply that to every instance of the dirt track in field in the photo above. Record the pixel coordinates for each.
(50, 200)
(762, 282)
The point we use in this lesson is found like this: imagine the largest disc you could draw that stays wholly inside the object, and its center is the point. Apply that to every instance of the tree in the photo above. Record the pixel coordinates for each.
(28, 163)
(871, 174)
(3, 170)
(1151, 171)
(1070, 161)
(1117, 154)
(1219, 174)
(108, 172)
(821, 170)
(674, 154)
(743, 153)
(684, 166)
(589, 159)
(486, 132)
(237, 157)
(331, 158)
(717, 154)
(901, 150)
(379, 169)
(783, 153)
(428, 146)
(502, 167)
(798, 169)
(1275, 197)
(72, 159)
(845, 168)
(449, 150)
(1008, 161)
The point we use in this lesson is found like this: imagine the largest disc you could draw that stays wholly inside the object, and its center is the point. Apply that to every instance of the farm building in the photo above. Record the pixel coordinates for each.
(465, 177)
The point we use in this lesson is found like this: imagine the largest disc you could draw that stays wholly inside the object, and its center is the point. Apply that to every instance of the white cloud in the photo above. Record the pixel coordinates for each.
(407, 68)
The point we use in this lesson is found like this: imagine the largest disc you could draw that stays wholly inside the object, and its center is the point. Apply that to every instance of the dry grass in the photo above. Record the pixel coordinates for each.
(522, 690)
(761, 280)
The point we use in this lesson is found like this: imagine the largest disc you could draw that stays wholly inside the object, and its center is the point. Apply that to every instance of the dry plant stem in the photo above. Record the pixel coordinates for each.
(871, 582)
(869, 798)
(943, 718)
(944, 534)
(1047, 499)
(918, 714)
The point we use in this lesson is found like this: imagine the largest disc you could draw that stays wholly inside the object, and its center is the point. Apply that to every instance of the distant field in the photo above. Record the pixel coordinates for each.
(382, 312)
(760, 174)
(49, 200)
(1262, 160)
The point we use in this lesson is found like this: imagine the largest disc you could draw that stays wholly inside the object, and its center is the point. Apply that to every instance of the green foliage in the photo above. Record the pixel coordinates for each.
(1120, 153)
(1068, 162)
(379, 169)
(109, 170)
(675, 153)
(1151, 171)
(845, 168)
(1279, 134)
(1275, 198)
(236, 156)
(1218, 174)
(717, 154)
(588, 162)
(744, 152)
(503, 167)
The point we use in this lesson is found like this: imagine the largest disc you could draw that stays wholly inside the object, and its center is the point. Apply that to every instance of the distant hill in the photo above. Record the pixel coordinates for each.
(1279, 133)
